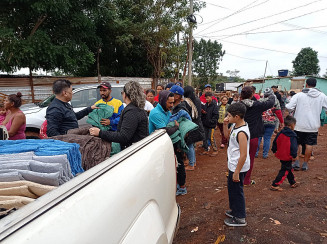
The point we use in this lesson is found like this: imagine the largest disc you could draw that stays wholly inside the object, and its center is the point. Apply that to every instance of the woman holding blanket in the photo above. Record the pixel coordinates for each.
(133, 124)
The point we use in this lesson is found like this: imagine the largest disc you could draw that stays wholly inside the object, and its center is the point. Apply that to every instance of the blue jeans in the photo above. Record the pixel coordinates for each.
(269, 130)
(191, 155)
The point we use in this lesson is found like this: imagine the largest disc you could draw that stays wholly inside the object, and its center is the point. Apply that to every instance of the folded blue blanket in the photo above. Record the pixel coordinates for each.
(46, 147)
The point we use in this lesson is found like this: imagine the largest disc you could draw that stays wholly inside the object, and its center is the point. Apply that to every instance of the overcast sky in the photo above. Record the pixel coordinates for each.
(224, 21)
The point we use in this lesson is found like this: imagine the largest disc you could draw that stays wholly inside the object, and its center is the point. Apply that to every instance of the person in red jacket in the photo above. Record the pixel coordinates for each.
(207, 88)
(285, 149)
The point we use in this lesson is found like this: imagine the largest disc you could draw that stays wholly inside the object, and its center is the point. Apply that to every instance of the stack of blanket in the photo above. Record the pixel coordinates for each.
(42, 148)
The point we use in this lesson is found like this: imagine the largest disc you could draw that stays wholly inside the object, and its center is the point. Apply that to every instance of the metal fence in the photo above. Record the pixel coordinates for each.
(41, 87)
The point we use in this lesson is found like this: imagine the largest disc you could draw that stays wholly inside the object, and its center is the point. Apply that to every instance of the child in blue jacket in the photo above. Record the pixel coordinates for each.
(285, 149)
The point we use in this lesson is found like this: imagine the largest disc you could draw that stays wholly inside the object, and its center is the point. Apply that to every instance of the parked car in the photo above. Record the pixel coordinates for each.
(127, 199)
(83, 96)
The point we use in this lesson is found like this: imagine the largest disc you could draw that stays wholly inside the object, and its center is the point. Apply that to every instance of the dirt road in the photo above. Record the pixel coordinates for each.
(291, 216)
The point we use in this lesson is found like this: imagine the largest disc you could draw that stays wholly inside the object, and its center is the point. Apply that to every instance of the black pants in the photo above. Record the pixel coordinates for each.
(181, 174)
(236, 195)
(285, 171)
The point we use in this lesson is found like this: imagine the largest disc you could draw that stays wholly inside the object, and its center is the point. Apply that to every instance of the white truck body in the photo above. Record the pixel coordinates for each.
(128, 198)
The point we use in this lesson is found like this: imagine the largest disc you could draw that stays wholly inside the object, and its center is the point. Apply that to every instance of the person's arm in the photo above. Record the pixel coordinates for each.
(292, 104)
(243, 144)
(215, 115)
(17, 122)
(226, 131)
(81, 114)
(324, 104)
(274, 146)
(279, 115)
(269, 103)
(54, 118)
(129, 125)
(293, 147)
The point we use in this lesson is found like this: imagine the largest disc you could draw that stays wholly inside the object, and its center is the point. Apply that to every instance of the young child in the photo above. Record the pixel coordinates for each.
(285, 149)
(222, 114)
(238, 162)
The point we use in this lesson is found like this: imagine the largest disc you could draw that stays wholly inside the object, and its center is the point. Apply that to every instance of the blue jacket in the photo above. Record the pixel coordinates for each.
(158, 118)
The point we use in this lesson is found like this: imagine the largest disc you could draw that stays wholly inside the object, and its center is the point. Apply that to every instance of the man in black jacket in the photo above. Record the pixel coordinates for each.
(209, 120)
(60, 114)
(253, 117)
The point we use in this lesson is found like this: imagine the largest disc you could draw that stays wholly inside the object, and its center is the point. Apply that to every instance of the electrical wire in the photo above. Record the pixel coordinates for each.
(213, 4)
(281, 21)
(262, 48)
(230, 27)
(316, 31)
(260, 60)
(270, 32)
(247, 7)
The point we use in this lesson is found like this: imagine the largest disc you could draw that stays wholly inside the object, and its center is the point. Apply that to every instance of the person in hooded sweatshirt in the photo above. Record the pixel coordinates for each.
(253, 117)
(158, 119)
(308, 105)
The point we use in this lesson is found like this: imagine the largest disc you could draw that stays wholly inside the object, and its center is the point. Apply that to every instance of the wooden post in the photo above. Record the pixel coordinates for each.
(32, 86)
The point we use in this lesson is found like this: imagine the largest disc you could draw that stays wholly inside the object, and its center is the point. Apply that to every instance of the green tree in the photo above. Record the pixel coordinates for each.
(48, 34)
(325, 75)
(206, 58)
(306, 62)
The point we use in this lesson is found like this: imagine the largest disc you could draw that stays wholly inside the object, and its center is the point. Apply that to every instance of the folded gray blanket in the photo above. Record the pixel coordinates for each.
(17, 156)
(51, 179)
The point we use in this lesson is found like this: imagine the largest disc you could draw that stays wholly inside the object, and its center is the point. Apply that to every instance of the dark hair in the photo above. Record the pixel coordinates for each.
(289, 120)
(274, 87)
(16, 99)
(282, 91)
(162, 86)
(150, 91)
(171, 94)
(292, 93)
(236, 95)
(189, 93)
(254, 88)
(237, 109)
(246, 92)
(60, 85)
(208, 94)
(312, 82)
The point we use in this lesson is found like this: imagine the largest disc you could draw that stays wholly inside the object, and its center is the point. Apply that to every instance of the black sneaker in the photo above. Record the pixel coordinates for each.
(228, 213)
(235, 222)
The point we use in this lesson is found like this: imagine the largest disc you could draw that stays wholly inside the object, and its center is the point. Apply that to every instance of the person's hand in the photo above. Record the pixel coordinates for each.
(176, 123)
(281, 125)
(236, 177)
(94, 107)
(3, 112)
(226, 121)
(203, 111)
(94, 131)
(105, 122)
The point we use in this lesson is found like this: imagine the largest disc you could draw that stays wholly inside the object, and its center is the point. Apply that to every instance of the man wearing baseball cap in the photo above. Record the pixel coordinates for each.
(106, 98)
(207, 88)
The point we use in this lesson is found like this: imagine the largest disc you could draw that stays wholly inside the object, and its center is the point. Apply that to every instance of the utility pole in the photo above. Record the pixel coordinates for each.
(190, 47)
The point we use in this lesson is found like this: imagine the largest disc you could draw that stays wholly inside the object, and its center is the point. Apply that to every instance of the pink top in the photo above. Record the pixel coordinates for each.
(20, 134)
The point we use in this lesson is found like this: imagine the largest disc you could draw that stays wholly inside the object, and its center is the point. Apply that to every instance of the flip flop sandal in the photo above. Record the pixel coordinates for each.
(275, 188)
(295, 185)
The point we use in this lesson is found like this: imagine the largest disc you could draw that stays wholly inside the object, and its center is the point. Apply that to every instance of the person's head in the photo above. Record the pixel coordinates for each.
(13, 101)
(166, 100)
(292, 93)
(224, 100)
(63, 89)
(311, 82)
(208, 96)
(236, 97)
(150, 95)
(253, 89)
(189, 93)
(246, 92)
(159, 88)
(228, 94)
(274, 88)
(236, 112)
(267, 92)
(179, 83)
(282, 93)
(207, 88)
(105, 90)
(178, 92)
(169, 85)
(133, 93)
(290, 122)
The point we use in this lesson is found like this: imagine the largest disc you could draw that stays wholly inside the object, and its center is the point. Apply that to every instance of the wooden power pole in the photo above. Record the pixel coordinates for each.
(190, 47)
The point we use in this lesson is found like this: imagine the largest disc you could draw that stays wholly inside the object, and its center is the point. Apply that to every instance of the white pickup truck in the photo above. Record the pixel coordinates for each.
(128, 198)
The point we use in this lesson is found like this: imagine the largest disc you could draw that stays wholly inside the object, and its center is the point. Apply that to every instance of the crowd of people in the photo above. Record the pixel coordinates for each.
(243, 121)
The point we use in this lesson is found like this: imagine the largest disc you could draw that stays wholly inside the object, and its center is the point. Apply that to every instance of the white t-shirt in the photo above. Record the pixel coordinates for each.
(233, 151)
(148, 106)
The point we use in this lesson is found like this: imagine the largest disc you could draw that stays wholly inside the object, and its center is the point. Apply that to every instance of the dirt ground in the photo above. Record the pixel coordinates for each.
(296, 215)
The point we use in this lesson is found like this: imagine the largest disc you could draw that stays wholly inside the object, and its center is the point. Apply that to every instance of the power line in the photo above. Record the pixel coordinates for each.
(267, 49)
(260, 60)
(270, 32)
(317, 31)
(281, 21)
(265, 17)
(213, 4)
(236, 12)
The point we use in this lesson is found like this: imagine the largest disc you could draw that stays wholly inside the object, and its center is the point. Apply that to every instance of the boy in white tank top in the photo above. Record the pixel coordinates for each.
(238, 162)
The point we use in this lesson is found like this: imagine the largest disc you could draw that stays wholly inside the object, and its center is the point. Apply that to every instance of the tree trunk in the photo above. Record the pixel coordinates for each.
(32, 86)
